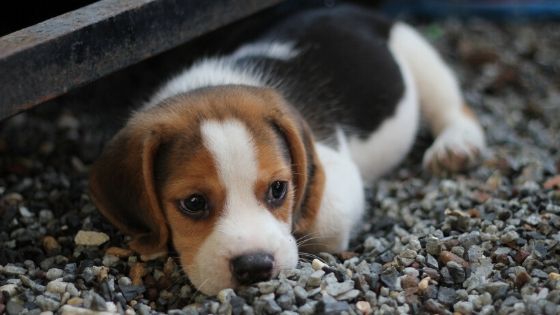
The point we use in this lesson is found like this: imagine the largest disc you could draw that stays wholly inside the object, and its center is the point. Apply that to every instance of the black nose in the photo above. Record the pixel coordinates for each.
(251, 268)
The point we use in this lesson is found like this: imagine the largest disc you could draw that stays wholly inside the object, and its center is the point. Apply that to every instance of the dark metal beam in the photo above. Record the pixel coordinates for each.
(46, 60)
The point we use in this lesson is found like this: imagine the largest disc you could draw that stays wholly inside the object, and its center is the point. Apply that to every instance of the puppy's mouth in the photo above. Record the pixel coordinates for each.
(252, 267)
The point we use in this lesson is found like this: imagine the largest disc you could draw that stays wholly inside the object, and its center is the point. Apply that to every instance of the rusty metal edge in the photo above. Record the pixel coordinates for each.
(48, 59)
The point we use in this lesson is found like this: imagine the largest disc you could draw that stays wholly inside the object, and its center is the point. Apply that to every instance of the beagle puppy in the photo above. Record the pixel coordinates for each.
(240, 155)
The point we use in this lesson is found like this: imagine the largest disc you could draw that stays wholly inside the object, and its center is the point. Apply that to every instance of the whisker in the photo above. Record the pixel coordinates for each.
(307, 242)
(305, 236)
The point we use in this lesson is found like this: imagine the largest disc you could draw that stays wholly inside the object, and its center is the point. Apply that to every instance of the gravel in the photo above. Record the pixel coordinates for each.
(482, 242)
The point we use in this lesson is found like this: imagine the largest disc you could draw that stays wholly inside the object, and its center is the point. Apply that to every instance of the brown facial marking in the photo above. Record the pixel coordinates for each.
(273, 167)
(195, 174)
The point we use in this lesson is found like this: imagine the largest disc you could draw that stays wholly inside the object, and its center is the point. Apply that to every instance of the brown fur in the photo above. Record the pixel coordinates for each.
(158, 159)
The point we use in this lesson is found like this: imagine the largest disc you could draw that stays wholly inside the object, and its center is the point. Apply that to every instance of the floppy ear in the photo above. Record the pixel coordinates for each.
(308, 174)
(122, 187)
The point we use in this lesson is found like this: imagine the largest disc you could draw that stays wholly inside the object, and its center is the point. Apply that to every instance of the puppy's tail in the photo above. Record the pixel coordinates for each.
(438, 89)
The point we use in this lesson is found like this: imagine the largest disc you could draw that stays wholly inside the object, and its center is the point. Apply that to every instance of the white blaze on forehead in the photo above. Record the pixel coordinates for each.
(234, 153)
(245, 225)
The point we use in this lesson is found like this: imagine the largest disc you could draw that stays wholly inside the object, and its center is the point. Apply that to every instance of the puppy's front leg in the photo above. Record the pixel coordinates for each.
(342, 204)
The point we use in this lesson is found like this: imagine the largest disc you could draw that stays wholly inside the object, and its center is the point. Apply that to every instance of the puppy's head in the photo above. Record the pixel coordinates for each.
(224, 173)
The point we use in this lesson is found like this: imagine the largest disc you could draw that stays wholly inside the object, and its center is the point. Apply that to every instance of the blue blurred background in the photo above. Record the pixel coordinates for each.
(495, 9)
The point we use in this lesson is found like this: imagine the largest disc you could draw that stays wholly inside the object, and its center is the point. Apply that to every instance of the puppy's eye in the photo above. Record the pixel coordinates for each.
(276, 193)
(195, 206)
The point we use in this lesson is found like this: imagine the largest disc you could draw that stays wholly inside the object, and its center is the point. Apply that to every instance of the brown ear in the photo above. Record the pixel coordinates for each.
(122, 187)
(309, 177)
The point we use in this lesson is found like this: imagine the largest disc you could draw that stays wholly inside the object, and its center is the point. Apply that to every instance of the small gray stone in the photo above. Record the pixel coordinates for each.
(432, 262)
(350, 295)
(14, 306)
(463, 307)
(71, 288)
(337, 288)
(373, 244)
(509, 237)
(54, 273)
(14, 270)
(502, 251)
(56, 286)
(314, 279)
(237, 304)
(539, 273)
(26, 281)
(285, 301)
(389, 278)
(268, 286)
(497, 289)
(384, 292)
(446, 275)
(88, 274)
(447, 295)
(533, 219)
(433, 245)
(307, 309)
(224, 296)
(474, 253)
(412, 272)
(225, 308)
(301, 295)
(458, 250)
(487, 310)
(456, 271)
(98, 303)
(24, 212)
(142, 309)
(435, 307)
(363, 268)
(469, 239)
(47, 263)
(284, 288)
(45, 216)
(47, 303)
(110, 260)
(248, 310)
(11, 289)
(335, 308)
(124, 281)
(551, 308)
(272, 307)
(407, 257)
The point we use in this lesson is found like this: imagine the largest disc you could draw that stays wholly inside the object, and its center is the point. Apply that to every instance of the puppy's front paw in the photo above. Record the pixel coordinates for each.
(456, 148)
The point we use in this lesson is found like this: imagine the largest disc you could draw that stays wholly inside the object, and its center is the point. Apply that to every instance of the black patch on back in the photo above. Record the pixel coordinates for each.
(344, 73)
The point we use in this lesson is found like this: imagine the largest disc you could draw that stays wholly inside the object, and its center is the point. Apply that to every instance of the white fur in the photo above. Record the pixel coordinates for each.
(440, 97)
(388, 145)
(274, 50)
(246, 225)
(462, 138)
(343, 202)
(222, 71)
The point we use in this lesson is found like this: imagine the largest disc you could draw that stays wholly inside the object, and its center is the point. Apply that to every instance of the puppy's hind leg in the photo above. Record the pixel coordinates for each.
(459, 138)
